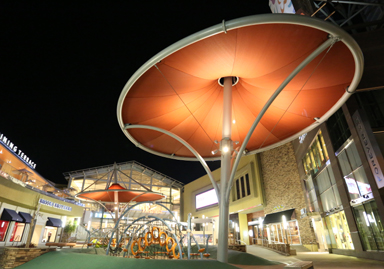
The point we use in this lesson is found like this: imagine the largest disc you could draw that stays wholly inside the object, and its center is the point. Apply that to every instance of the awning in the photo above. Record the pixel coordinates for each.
(277, 217)
(10, 215)
(27, 218)
(53, 222)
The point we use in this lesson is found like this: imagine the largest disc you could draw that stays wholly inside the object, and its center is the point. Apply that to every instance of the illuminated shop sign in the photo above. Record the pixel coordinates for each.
(13, 148)
(206, 199)
(370, 148)
(55, 205)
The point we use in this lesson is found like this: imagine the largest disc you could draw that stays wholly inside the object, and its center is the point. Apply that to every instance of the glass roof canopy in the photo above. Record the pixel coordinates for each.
(97, 178)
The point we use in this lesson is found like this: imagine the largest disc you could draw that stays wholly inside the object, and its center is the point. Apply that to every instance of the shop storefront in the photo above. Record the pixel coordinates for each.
(361, 198)
(342, 176)
(246, 198)
(12, 226)
(324, 203)
(29, 204)
(281, 228)
(338, 234)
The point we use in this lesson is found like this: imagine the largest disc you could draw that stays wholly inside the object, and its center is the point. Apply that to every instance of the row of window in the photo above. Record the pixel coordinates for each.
(316, 156)
(242, 187)
(17, 232)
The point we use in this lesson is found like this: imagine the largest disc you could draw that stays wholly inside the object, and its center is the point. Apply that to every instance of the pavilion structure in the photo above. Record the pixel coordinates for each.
(239, 87)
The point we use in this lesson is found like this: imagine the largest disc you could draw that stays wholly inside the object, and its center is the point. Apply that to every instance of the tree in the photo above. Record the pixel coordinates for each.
(68, 230)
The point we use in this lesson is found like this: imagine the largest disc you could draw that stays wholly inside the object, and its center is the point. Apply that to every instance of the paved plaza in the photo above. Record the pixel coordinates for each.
(68, 258)
(321, 260)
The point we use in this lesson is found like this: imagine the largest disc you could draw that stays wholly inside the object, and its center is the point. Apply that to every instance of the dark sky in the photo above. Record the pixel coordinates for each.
(65, 63)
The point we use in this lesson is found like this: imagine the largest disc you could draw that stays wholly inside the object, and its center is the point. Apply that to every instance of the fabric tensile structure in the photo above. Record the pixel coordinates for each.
(123, 195)
(180, 91)
(282, 76)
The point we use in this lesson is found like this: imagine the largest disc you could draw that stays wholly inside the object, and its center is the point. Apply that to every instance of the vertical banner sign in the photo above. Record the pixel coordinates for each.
(370, 147)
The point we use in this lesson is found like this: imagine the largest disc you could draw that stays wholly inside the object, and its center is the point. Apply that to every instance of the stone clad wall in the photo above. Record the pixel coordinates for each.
(13, 257)
(283, 188)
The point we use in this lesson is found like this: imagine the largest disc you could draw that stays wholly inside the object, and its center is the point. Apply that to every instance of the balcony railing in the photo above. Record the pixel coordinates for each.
(25, 185)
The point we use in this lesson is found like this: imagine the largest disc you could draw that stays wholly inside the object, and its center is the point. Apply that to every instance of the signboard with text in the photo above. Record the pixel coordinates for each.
(206, 198)
(55, 205)
(370, 148)
(15, 150)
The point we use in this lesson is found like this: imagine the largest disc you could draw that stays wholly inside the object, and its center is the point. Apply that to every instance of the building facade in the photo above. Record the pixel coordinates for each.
(30, 206)
(340, 167)
(266, 188)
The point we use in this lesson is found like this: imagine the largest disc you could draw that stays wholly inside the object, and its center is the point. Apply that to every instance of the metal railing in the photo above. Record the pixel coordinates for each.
(21, 183)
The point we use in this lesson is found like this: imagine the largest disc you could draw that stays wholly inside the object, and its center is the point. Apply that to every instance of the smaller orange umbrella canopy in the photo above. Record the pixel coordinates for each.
(123, 195)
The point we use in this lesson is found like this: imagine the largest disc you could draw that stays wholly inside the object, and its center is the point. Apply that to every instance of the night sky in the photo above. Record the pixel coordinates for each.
(65, 63)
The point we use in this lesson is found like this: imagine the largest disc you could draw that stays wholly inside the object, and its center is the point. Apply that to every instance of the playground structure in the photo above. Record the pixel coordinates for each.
(149, 237)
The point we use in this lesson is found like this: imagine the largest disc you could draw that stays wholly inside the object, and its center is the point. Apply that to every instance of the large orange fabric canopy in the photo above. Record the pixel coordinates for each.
(181, 94)
(123, 195)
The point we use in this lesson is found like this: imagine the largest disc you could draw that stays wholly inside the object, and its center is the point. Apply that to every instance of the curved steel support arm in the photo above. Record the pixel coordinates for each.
(110, 213)
(304, 63)
(187, 145)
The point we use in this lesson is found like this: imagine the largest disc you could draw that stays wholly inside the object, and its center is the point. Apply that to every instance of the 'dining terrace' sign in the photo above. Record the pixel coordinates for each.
(13, 148)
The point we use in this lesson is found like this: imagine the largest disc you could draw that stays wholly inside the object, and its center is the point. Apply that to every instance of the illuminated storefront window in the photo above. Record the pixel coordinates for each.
(370, 229)
(17, 233)
(3, 229)
(278, 235)
(49, 234)
(361, 198)
(339, 231)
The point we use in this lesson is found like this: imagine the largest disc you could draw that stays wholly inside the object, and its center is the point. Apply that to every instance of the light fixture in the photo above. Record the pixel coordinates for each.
(285, 224)
(250, 233)
(216, 142)
(214, 151)
(225, 149)
(234, 121)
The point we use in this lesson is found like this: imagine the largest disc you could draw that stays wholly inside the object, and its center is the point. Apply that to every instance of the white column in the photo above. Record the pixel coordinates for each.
(222, 249)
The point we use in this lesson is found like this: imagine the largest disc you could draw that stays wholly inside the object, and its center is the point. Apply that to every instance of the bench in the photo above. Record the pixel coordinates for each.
(60, 245)
(300, 265)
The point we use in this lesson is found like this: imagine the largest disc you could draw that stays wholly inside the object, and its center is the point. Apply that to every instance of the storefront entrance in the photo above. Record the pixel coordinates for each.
(49, 234)
(340, 236)
(278, 235)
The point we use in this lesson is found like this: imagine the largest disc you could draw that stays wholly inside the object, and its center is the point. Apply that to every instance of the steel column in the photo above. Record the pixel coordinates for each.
(222, 249)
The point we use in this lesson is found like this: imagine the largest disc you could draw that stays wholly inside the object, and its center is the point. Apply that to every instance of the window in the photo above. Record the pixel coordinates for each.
(360, 193)
(373, 104)
(242, 187)
(17, 233)
(247, 182)
(3, 229)
(316, 156)
(338, 129)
